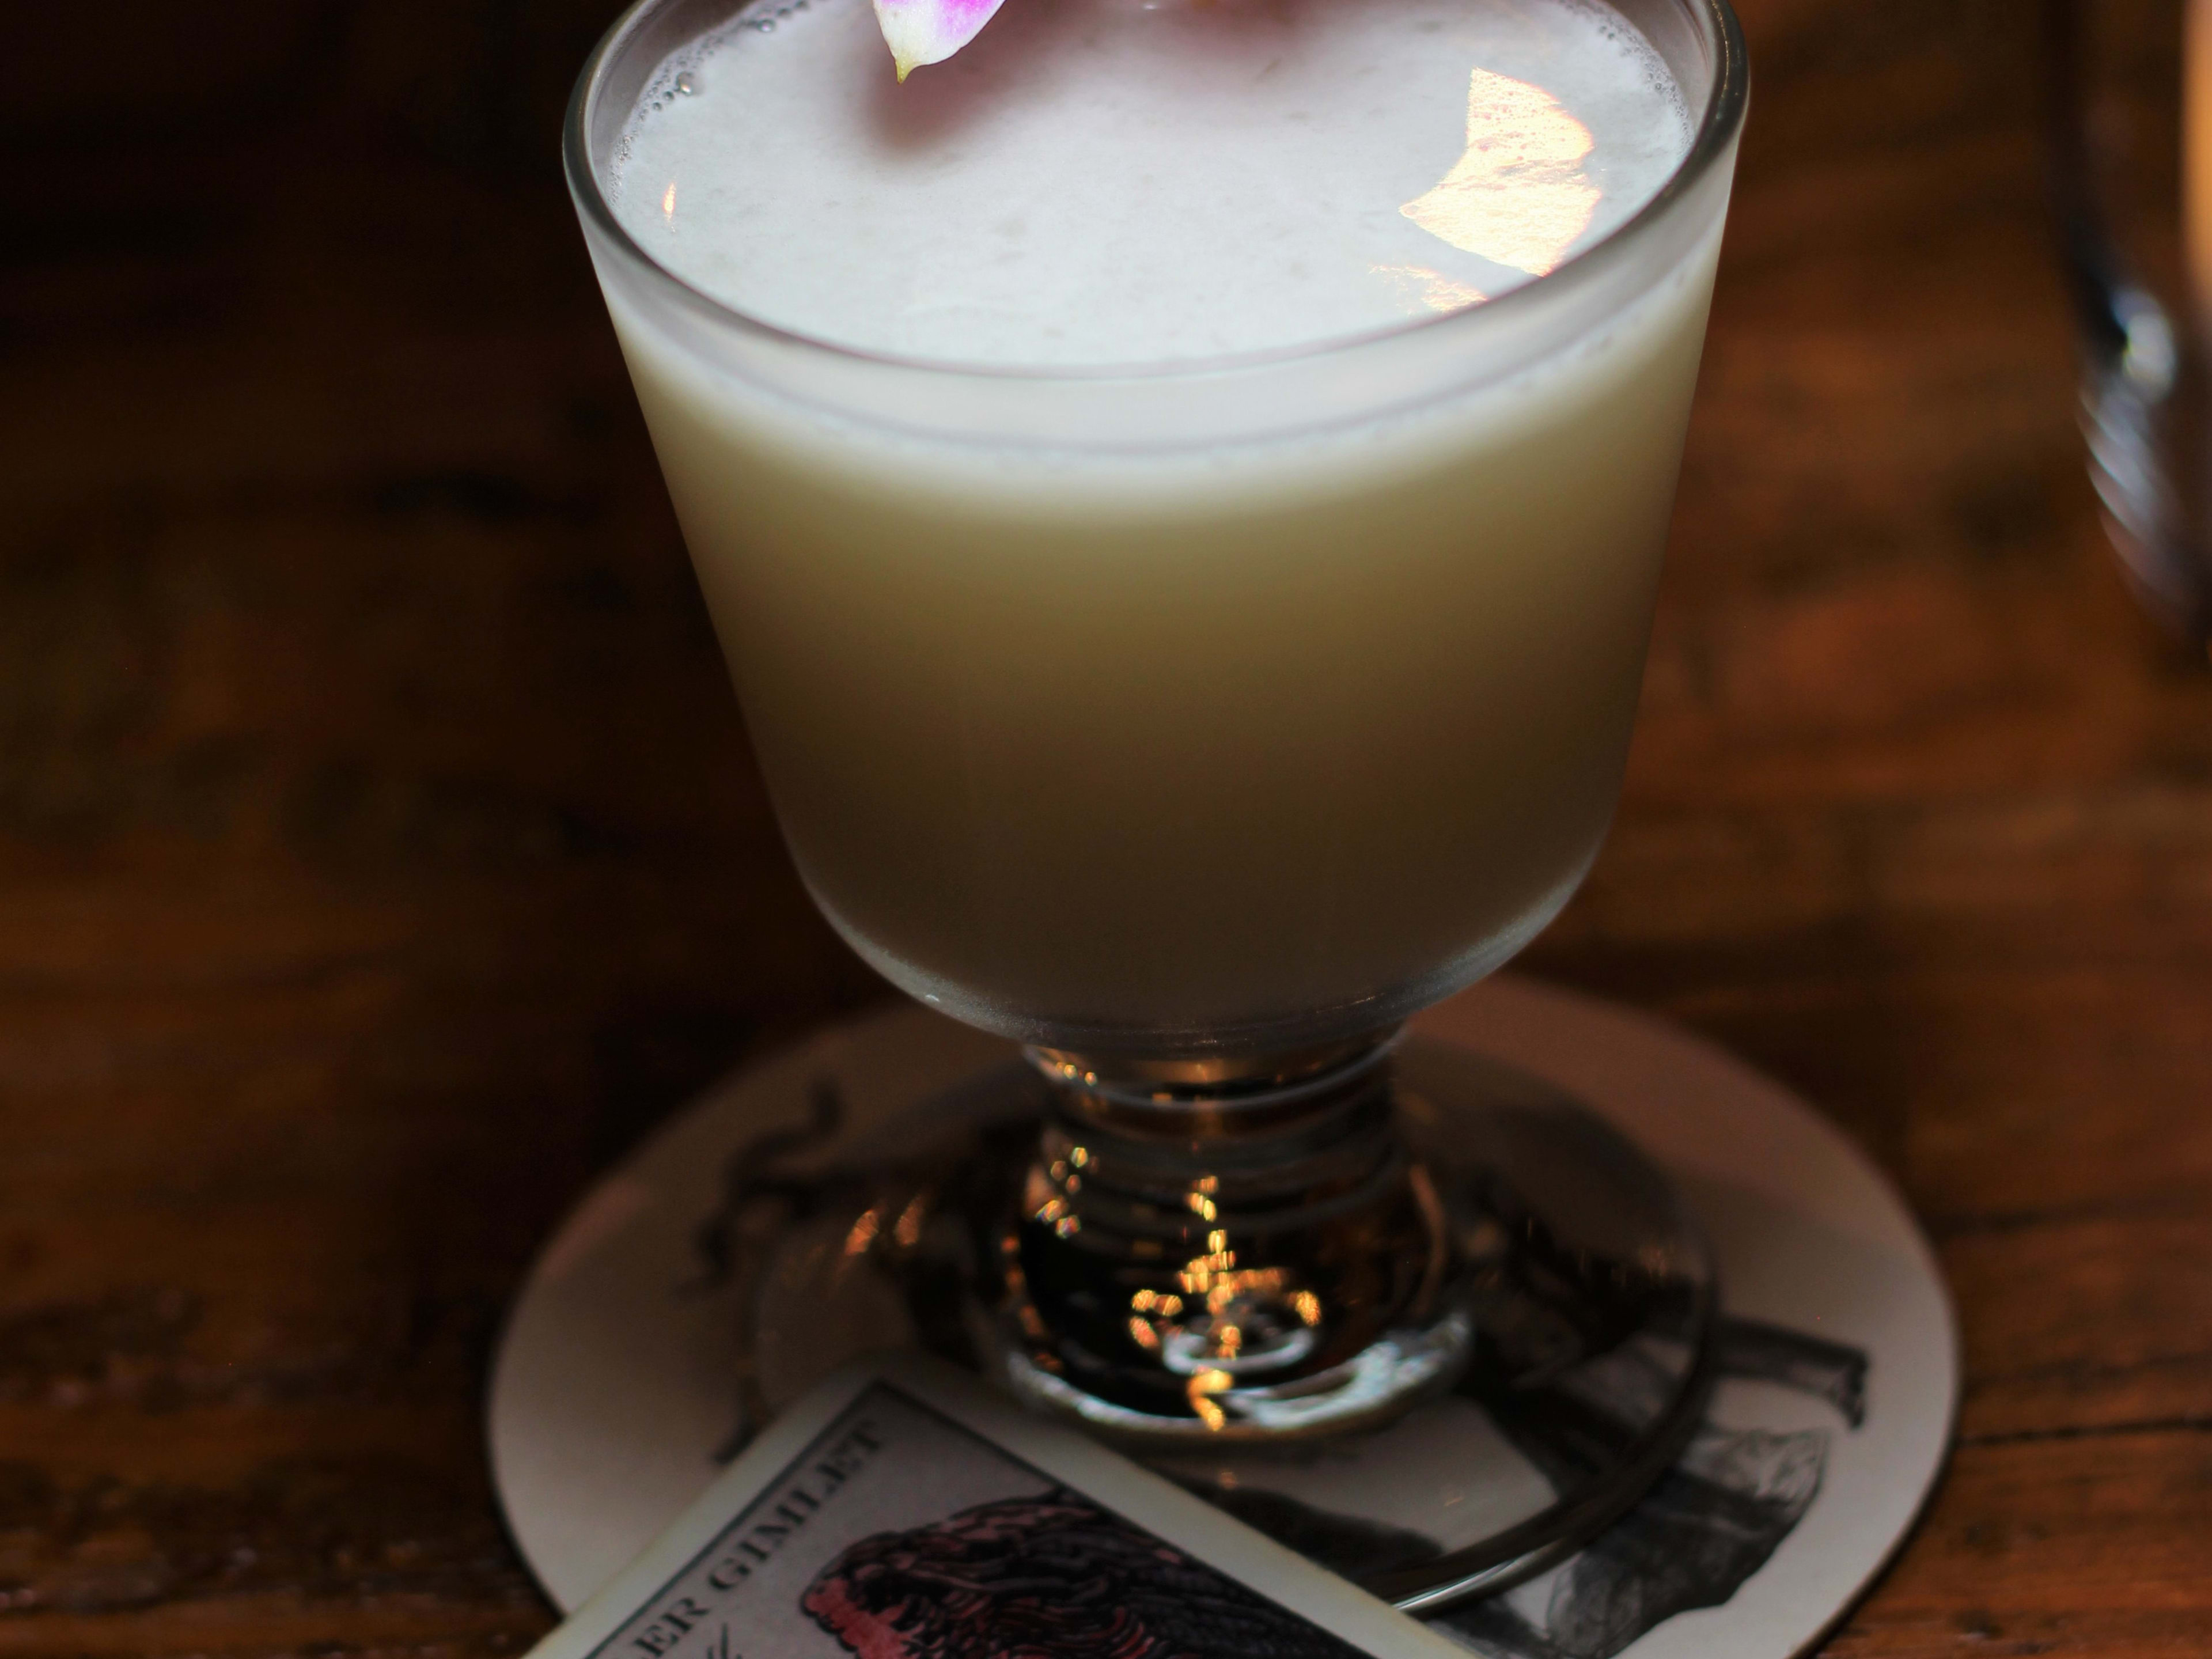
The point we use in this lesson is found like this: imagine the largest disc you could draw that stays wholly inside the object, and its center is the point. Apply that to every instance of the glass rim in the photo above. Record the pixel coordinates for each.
(1718, 125)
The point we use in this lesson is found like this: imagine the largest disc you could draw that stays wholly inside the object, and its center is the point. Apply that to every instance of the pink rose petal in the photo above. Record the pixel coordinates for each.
(930, 31)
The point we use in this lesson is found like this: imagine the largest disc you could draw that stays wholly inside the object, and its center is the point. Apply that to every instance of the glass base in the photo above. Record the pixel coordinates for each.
(1208, 1257)
(1219, 1272)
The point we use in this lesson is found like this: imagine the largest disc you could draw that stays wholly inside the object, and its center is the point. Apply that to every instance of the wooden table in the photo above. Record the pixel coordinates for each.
(380, 853)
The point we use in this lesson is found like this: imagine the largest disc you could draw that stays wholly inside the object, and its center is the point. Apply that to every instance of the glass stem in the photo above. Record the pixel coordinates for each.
(1181, 1238)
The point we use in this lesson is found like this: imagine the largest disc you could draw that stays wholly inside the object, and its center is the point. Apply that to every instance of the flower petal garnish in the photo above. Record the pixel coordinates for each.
(921, 31)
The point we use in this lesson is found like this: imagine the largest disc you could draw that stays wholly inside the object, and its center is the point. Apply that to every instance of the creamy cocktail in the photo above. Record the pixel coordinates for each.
(1168, 703)
(1181, 487)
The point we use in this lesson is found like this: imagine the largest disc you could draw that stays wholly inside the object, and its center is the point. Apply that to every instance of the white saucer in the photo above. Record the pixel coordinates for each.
(613, 1390)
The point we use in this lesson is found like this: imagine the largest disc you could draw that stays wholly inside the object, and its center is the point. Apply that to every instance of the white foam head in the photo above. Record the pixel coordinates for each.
(1115, 182)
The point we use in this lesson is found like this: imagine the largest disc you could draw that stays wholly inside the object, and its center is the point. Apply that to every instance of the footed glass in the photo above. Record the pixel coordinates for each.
(1193, 724)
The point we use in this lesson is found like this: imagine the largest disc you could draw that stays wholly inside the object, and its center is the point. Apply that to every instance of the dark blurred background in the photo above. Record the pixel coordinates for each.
(380, 854)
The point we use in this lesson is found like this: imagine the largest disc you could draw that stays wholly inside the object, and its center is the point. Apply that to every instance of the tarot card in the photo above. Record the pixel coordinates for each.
(902, 1512)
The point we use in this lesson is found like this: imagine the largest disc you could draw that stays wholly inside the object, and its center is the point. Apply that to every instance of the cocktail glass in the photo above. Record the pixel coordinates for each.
(2130, 108)
(1193, 726)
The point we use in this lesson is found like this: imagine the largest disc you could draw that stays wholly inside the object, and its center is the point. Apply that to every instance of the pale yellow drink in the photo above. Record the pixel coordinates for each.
(1155, 710)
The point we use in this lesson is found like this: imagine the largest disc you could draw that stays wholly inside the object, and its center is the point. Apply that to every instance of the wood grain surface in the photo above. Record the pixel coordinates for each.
(380, 854)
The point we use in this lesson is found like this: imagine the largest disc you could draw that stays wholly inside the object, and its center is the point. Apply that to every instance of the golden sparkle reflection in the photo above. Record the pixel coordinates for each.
(1519, 195)
(864, 1232)
(668, 202)
(1421, 289)
(908, 1232)
(1199, 1391)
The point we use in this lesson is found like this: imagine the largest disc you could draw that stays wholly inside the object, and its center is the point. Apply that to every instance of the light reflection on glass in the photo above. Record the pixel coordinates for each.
(1519, 195)
(1421, 289)
(668, 202)
(864, 1232)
